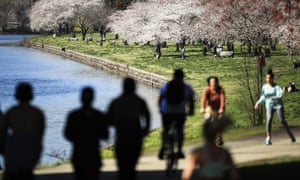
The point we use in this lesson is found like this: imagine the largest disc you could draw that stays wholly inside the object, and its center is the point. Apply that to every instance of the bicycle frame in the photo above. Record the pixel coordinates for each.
(171, 155)
(212, 117)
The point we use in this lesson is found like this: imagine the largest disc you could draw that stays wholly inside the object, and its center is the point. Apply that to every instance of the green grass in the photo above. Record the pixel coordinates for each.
(197, 68)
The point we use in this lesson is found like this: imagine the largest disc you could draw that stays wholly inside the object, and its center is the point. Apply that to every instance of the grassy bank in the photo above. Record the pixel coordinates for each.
(197, 68)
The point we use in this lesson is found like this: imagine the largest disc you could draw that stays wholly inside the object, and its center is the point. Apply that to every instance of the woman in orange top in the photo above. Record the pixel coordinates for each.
(213, 100)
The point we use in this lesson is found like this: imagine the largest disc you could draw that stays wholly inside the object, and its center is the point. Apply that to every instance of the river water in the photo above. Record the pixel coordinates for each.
(57, 83)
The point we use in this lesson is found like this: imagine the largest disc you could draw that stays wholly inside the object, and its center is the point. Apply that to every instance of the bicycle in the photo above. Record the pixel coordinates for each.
(170, 153)
(213, 117)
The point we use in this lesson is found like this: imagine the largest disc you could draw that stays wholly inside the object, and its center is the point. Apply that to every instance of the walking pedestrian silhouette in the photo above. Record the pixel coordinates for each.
(130, 116)
(85, 127)
(21, 133)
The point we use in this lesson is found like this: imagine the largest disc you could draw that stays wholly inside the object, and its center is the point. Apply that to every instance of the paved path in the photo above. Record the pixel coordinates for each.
(149, 167)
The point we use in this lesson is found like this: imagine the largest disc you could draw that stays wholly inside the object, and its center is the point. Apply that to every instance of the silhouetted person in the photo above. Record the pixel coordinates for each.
(158, 50)
(130, 116)
(22, 133)
(85, 127)
(261, 64)
(1, 114)
(1, 120)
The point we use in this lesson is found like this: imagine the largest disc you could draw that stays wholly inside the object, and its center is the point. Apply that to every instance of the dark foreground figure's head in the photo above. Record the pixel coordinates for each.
(178, 74)
(87, 96)
(23, 92)
(128, 85)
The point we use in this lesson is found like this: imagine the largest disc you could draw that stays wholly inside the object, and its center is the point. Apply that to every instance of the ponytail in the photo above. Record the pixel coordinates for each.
(270, 72)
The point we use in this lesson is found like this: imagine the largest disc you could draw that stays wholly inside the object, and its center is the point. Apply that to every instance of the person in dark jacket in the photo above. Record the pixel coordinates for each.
(130, 116)
(21, 135)
(85, 128)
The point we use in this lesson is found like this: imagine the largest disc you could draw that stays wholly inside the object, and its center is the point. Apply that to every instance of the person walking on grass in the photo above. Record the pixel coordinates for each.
(271, 95)
(85, 127)
(213, 101)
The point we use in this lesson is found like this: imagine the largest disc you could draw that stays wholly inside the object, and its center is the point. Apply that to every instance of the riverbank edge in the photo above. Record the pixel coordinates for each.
(147, 78)
(109, 66)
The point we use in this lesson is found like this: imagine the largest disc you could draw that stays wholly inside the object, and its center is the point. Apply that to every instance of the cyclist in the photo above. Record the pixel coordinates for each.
(213, 101)
(174, 96)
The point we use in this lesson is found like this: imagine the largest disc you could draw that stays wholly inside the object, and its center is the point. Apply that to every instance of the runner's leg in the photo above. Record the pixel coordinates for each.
(269, 115)
(280, 113)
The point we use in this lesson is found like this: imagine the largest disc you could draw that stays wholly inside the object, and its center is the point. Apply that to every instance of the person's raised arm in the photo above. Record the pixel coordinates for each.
(222, 101)
(147, 118)
(260, 100)
(278, 92)
(3, 133)
(191, 103)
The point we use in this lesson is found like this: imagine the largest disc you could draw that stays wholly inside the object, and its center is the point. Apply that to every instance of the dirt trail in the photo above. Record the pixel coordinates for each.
(149, 167)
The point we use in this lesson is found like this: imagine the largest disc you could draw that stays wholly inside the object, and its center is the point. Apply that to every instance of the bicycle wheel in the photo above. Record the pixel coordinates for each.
(170, 157)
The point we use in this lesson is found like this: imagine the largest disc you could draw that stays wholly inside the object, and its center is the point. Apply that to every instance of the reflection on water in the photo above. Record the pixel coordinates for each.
(57, 83)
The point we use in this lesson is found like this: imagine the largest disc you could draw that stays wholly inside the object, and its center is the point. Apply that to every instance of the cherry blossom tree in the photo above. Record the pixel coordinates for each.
(6, 7)
(287, 12)
(49, 15)
(255, 20)
(252, 21)
(120, 4)
(20, 10)
(157, 20)
(14, 11)
(46, 15)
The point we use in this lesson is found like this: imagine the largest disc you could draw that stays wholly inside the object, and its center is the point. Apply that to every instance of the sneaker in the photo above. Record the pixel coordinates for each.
(180, 155)
(268, 141)
(293, 139)
(161, 154)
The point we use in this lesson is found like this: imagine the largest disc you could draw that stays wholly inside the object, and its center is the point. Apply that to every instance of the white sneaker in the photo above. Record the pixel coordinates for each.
(268, 140)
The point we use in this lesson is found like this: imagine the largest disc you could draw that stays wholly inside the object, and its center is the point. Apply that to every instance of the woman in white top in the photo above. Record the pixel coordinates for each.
(271, 95)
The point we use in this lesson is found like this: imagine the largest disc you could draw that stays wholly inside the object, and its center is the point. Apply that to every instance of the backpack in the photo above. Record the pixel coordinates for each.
(175, 92)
